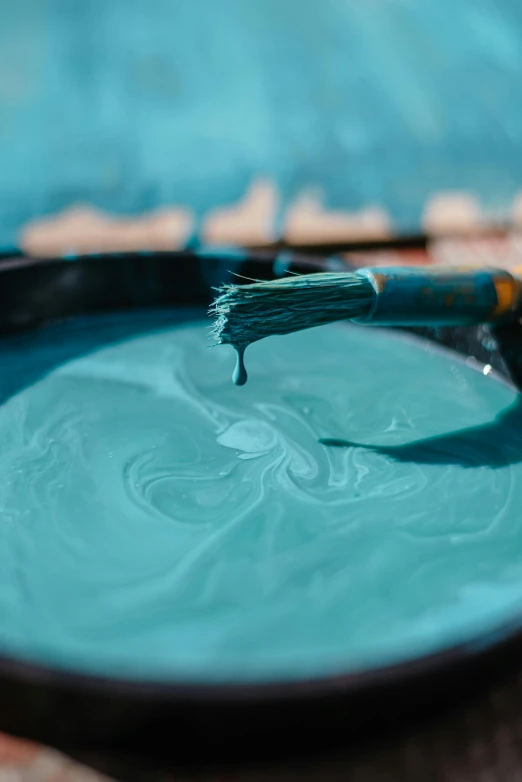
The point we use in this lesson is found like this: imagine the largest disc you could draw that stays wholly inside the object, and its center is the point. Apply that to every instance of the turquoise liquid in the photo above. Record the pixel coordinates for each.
(158, 522)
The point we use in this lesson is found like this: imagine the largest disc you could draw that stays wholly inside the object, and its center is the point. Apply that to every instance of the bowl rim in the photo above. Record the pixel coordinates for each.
(408, 671)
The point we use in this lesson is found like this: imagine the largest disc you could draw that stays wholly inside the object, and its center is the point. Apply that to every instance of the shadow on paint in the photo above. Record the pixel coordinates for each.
(495, 444)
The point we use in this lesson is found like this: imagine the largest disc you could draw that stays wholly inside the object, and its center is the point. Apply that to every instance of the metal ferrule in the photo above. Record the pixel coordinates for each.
(445, 296)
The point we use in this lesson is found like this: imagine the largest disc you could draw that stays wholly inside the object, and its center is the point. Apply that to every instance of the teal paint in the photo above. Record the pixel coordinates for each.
(133, 105)
(158, 523)
(239, 375)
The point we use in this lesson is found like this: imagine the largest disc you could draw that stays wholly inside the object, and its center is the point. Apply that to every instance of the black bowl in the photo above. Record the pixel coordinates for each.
(171, 723)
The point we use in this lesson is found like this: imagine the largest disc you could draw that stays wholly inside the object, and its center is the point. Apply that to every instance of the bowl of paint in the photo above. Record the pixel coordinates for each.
(326, 550)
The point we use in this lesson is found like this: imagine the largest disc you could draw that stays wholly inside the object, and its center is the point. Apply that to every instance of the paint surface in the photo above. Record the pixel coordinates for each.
(357, 503)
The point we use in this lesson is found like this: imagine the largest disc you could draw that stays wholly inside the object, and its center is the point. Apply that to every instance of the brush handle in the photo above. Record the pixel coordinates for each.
(449, 296)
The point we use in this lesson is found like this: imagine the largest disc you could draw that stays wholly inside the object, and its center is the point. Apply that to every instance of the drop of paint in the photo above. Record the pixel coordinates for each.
(239, 376)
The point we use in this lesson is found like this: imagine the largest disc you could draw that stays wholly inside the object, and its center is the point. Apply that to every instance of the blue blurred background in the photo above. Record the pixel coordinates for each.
(129, 105)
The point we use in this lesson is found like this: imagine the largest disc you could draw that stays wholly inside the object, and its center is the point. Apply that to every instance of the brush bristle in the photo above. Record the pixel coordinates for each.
(247, 313)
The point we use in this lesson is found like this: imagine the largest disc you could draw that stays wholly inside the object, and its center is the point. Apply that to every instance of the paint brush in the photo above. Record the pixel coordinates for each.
(395, 296)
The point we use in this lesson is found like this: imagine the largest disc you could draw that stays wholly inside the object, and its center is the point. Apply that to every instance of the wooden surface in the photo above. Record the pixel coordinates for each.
(24, 762)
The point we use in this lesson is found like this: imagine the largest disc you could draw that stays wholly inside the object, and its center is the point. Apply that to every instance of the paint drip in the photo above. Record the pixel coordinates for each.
(239, 375)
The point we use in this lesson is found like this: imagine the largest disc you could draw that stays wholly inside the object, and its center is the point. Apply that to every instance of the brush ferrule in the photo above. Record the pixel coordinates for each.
(446, 296)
